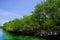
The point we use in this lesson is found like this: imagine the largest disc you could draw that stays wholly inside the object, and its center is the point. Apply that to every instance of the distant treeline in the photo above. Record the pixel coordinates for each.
(1, 27)
(46, 15)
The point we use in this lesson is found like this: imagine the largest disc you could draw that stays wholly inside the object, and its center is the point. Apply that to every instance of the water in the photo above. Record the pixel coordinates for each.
(7, 36)
(1, 34)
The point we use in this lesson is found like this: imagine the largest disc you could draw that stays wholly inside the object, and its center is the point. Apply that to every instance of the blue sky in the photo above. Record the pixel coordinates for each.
(11, 9)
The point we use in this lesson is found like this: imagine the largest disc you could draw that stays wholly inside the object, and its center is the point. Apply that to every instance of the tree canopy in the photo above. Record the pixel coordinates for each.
(46, 15)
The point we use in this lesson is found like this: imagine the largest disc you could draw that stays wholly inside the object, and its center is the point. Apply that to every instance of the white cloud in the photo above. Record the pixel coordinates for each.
(2, 21)
(6, 13)
(6, 16)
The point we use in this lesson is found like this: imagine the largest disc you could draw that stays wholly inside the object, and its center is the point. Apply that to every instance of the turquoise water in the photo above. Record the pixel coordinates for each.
(7, 36)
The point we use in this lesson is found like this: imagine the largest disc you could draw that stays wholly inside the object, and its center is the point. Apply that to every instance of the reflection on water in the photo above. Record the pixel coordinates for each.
(1, 34)
(7, 36)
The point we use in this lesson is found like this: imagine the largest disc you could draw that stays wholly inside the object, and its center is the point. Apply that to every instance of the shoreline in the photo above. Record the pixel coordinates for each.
(32, 34)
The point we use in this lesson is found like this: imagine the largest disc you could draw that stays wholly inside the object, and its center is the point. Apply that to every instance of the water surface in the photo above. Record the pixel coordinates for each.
(6, 36)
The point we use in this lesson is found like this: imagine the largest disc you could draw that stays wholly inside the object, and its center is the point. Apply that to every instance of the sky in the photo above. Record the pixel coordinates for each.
(11, 9)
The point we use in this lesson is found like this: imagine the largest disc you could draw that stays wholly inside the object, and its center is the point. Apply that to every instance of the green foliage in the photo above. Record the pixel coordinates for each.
(45, 15)
(25, 23)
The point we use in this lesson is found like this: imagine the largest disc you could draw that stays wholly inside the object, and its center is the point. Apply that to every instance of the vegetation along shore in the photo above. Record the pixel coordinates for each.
(44, 21)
